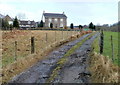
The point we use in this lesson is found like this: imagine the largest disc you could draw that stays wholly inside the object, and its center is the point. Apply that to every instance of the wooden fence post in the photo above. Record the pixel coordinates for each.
(62, 34)
(15, 57)
(32, 45)
(101, 42)
(71, 33)
(46, 37)
(112, 48)
(67, 34)
(55, 36)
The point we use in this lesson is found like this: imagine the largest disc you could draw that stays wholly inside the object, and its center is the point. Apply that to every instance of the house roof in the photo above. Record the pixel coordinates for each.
(55, 15)
(27, 23)
(7, 17)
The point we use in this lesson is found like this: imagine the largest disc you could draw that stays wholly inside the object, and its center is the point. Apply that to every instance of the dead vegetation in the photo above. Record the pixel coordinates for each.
(103, 70)
(41, 49)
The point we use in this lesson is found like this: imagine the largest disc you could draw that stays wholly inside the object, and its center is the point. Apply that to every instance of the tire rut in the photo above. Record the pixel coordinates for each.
(40, 72)
(75, 69)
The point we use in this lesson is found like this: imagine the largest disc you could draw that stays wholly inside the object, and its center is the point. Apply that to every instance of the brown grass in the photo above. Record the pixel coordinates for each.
(103, 70)
(24, 45)
(24, 58)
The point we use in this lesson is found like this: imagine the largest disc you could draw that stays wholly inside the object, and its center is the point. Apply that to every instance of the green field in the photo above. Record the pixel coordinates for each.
(107, 49)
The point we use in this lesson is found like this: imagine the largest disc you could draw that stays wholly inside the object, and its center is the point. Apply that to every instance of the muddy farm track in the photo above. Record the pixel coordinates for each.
(73, 70)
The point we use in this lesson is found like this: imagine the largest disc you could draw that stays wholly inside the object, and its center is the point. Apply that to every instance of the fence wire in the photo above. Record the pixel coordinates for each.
(15, 49)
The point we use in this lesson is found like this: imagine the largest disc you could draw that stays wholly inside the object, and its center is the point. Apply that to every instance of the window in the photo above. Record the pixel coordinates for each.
(50, 19)
(61, 19)
(56, 20)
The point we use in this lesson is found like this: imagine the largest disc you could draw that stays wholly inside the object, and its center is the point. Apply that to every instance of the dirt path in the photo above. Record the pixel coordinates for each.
(74, 70)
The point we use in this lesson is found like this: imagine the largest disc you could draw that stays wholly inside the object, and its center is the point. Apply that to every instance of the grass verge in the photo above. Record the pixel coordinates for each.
(102, 68)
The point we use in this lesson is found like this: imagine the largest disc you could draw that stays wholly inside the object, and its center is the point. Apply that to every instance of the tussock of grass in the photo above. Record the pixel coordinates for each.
(103, 70)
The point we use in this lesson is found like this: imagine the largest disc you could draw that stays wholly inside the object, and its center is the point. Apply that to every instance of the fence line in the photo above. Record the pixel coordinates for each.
(111, 48)
(35, 44)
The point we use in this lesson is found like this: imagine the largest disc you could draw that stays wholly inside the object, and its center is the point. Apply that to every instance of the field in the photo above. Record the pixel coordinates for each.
(107, 49)
(43, 40)
(17, 58)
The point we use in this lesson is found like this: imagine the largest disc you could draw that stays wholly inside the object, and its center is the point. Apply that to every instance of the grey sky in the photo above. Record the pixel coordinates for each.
(77, 11)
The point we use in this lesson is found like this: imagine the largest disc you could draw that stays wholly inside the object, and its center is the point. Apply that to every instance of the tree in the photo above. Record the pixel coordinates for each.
(41, 24)
(80, 26)
(94, 27)
(71, 26)
(51, 25)
(4, 24)
(91, 26)
(16, 23)
(11, 26)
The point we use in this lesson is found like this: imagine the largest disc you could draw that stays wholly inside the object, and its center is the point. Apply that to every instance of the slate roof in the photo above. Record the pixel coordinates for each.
(27, 23)
(55, 15)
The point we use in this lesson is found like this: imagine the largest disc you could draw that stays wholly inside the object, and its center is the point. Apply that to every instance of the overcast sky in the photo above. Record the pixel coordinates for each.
(78, 11)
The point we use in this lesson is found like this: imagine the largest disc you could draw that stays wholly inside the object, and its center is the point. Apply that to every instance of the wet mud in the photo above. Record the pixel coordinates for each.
(74, 70)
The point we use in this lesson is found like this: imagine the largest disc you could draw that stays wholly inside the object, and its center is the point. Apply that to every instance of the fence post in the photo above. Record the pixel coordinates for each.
(101, 41)
(71, 33)
(62, 34)
(67, 34)
(15, 57)
(55, 36)
(32, 45)
(112, 48)
(46, 37)
(74, 31)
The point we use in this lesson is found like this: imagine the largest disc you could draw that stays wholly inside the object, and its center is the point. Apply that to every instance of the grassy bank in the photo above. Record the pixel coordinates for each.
(102, 68)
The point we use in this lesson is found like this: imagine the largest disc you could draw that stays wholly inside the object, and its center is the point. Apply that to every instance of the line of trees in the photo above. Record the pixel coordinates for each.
(91, 26)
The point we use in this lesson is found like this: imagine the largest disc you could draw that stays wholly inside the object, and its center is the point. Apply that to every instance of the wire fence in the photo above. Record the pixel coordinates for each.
(108, 45)
(32, 44)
